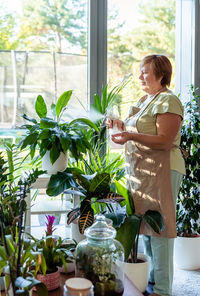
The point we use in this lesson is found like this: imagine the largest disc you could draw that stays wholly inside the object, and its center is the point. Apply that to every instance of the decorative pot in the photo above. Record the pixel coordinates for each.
(51, 280)
(138, 273)
(186, 252)
(58, 166)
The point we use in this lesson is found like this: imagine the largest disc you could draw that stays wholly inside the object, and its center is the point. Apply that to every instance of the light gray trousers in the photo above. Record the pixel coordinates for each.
(161, 249)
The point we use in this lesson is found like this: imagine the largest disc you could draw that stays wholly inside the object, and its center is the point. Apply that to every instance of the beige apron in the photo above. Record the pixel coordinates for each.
(149, 179)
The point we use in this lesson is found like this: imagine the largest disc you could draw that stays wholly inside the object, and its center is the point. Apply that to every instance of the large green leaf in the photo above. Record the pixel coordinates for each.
(54, 153)
(111, 197)
(127, 234)
(40, 107)
(100, 183)
(72, 215)
(60, 182)
(62, 102)
(104, 99)
(45, 134)
(65, 142)
(33, 120)
(29, 140)
(47, 123)
(154, 219)
(87, 216)
(85, 121)
(98, 103)
(82, 180)
(121, 189)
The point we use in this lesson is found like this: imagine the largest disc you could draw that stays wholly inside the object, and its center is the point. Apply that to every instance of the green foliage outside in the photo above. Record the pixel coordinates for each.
(60, 25)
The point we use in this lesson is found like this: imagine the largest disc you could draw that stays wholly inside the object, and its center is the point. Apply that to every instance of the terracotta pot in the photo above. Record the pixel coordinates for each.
(51, 280)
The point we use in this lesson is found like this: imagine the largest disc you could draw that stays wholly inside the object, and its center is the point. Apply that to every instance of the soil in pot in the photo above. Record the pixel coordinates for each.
(111, 288)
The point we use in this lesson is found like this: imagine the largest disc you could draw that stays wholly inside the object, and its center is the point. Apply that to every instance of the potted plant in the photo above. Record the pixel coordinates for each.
(91, 188)
(53, 252)
(97, 259)
(53, 136)
(15, 256)
(187, 244)
(127, 224)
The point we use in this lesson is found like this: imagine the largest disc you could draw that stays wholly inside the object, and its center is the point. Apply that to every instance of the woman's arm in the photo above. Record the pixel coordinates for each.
(167, 125)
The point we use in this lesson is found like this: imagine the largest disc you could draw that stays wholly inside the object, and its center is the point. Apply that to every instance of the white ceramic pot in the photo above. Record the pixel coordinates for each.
(187, 252)
(70, 268)
(138, 273)
(75, 233)
(58, 166)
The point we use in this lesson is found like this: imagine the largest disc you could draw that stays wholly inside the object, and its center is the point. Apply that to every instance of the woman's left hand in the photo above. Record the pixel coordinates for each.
(121, 138)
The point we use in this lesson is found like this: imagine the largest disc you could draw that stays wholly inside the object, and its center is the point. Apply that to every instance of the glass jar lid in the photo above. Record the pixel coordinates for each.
(100, 229)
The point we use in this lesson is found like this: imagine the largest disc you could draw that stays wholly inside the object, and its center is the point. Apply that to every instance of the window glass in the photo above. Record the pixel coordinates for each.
(135, 29)
(43, 50)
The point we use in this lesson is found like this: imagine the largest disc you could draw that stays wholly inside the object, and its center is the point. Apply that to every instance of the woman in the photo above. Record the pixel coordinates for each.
(154, 162)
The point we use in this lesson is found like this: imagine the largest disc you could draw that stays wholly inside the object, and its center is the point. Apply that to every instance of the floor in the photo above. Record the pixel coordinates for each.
(186, 282)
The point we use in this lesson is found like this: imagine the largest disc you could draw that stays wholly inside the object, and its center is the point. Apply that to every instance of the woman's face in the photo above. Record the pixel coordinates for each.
(149, 83)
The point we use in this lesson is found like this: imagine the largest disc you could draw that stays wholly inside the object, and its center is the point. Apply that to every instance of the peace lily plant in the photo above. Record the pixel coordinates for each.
(51, 133)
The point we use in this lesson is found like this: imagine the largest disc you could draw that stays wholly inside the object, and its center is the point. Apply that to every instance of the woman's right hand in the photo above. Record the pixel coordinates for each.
(111, 122)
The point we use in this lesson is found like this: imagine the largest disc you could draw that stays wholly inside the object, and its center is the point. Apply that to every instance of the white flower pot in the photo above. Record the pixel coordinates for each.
(138, 273)
(58, 166)
(187, 252)
(75, 233)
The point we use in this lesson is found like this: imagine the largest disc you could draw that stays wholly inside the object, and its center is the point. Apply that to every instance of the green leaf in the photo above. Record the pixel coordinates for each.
(154, 219)
(53, 109)
(40, 287)
(111, 197)
(54, 153)
(100, 183)
(127, 234)
(121, 189)
(82, 180)
(87, 215)
(29, 140)
(65, 142)
(3, 254)
(62, 102)
(59, 183)
(118, 218)
(40, 107)
(47, 123)
(72, 215)
(45, 134)
(85, 121)
(104, 99)
(97, 101)
(29, 119)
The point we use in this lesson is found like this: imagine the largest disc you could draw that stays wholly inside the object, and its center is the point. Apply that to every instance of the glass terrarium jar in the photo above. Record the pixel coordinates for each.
(98, 259)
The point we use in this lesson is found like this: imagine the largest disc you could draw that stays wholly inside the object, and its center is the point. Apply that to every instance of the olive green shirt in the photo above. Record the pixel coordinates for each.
(146, 123)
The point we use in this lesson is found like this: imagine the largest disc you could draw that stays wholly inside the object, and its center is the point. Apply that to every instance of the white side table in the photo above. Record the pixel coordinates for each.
(43, 207)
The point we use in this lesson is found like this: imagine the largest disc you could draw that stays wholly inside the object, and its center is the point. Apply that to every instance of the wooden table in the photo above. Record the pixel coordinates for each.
(130, 289)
